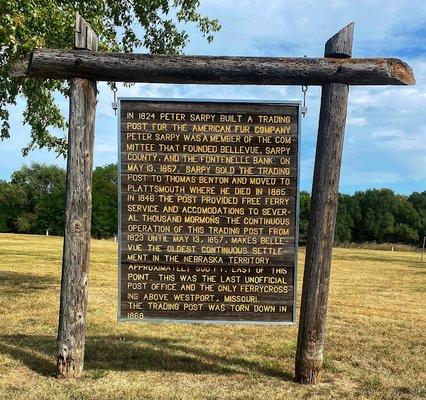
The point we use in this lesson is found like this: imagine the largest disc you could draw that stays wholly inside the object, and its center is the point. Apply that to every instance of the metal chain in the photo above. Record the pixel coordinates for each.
(304, 90)
(114, 103)
(304, 108)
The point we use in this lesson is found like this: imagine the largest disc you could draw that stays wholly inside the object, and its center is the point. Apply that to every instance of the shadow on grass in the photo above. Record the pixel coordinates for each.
(33, 351)
(128, 352)
(15, 283)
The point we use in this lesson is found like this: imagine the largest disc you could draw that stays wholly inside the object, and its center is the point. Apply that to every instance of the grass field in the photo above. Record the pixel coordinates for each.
(375, 347)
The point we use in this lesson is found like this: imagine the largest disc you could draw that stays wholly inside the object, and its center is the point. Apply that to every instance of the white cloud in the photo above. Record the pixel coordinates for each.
(356, 121)
(392, 139)
(385, 134)
(106, 148)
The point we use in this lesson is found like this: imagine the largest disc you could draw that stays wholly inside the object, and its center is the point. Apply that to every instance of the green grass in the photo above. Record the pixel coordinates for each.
(375, 345)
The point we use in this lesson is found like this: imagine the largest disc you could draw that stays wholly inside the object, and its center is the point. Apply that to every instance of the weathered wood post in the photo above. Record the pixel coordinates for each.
(75, 262)
(85, 66)
(322, 219)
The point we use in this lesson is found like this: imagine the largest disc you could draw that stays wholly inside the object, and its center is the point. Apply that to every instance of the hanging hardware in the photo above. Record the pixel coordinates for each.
(304, 109)
(114, 103)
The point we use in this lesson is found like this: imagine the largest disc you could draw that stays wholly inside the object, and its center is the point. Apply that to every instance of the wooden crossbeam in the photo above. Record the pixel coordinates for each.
(123, 67)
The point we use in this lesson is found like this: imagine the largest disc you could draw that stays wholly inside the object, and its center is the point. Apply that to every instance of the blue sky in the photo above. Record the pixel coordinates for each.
(385, 141)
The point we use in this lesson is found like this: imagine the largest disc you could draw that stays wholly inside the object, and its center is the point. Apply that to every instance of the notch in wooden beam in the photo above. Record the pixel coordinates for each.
(85, 36)
(340, 44)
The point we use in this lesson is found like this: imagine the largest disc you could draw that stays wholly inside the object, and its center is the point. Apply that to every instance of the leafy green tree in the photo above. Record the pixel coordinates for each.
(120, 25)
(25, 222)
(34, 201)
(385, 217)
(404, 233)
(407, 221)
(305, 206)
(373, 222)
(344, 220)
(13, 202)
(44, 188)
(50, 211)
(104, 201)
(418, 201)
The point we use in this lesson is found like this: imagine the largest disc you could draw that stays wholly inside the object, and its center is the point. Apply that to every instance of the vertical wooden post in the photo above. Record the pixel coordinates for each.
(322, 219)
(75, 262)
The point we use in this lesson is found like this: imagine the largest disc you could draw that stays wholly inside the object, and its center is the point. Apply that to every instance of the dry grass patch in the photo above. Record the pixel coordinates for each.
(375, 336)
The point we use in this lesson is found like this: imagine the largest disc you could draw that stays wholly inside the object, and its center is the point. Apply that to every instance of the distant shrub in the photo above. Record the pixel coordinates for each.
(378, 246)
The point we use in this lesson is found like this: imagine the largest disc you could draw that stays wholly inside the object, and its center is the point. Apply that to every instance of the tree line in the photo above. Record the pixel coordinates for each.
(34, 201)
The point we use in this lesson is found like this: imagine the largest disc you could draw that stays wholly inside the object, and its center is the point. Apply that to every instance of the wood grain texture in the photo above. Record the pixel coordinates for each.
(234, 273)
(60, 64)
(340, 45)
(85, 36)
(75, 262)
(322, 221)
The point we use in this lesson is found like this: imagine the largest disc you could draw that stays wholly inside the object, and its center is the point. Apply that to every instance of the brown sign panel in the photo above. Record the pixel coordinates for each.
(209, 211)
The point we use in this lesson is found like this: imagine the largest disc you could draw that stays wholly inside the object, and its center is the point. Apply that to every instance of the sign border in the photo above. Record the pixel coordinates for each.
(297, 104)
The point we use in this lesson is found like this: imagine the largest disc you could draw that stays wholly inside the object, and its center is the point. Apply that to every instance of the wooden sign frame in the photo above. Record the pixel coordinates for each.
(296, 196)
(334, 73)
